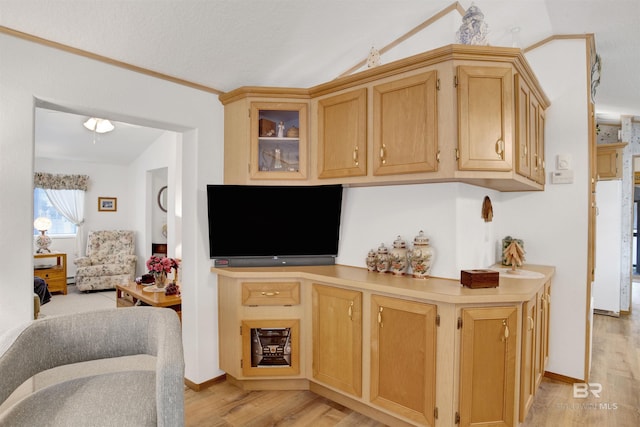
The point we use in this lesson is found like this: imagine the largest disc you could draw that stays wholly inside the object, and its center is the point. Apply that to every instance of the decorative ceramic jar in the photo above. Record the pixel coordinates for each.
(398, 257)
(382, 259)
(421, 256)
(372, 260)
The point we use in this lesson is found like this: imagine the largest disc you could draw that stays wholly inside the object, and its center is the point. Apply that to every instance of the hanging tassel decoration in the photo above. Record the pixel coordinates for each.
(487, 209)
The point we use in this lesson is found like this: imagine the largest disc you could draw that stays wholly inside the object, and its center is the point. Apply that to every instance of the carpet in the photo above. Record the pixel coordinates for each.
(76, 301)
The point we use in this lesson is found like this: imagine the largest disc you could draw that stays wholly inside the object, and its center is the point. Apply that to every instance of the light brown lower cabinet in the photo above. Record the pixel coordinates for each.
(428, 359)
(529, 355)
(403, 357)
(535, 346)
(488, 366)
(337, 338)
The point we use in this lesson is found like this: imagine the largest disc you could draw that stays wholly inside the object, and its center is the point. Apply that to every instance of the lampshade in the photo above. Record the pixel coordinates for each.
(42, 223)
(99, 125)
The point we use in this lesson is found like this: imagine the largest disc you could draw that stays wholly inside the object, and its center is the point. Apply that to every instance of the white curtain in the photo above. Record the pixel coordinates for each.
(70, 204)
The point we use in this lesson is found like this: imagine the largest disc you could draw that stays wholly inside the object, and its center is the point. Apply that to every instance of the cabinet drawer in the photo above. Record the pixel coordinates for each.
(50, 274)
(270, 293)
(57, 285)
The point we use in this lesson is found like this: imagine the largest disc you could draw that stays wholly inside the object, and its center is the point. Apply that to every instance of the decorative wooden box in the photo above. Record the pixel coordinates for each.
(266, 127)
(479, 278)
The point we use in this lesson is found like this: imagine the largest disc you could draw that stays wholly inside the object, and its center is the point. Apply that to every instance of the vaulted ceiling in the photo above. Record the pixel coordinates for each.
(224, 44)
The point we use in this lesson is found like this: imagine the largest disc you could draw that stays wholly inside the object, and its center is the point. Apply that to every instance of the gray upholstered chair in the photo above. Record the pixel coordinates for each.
(117, 398)
(109, 261)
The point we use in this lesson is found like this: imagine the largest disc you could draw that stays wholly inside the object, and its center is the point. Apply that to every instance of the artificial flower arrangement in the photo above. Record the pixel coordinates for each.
(161, 264)
(159, 267)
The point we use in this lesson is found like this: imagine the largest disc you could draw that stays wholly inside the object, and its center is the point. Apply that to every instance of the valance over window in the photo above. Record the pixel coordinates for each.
(51, 181)
(66, 194)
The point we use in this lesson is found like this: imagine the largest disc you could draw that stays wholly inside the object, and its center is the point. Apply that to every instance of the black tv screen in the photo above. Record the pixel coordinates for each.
(260, 225)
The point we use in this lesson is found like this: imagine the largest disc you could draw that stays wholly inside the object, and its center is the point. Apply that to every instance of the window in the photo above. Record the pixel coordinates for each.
(43, 207)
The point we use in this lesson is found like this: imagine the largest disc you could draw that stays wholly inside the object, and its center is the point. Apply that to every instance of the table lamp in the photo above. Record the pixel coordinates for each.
(43, 241)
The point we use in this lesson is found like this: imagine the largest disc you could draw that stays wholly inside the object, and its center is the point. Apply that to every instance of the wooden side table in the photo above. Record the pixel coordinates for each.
(128, 295)
(55, 275)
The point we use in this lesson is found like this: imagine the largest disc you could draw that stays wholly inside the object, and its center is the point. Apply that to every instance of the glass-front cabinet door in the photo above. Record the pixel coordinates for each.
(278, 140)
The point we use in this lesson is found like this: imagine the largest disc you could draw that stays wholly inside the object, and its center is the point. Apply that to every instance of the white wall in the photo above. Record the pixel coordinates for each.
(104, 181)
(449, 214)
(30, 72)
(554, 223)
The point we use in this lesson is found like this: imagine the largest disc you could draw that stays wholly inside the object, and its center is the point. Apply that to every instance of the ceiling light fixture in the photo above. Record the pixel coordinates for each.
(99, 125)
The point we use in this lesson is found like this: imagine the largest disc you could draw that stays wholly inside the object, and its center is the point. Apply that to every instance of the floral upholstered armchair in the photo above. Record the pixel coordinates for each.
(110, 260)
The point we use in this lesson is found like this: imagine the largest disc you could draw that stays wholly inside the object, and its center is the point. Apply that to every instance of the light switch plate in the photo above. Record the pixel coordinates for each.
(563, 162)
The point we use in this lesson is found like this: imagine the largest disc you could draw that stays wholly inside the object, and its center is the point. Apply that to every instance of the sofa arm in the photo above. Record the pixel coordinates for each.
(82, 261)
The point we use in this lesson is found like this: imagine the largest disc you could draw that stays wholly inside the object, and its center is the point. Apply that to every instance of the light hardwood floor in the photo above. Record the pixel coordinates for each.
(616, 366)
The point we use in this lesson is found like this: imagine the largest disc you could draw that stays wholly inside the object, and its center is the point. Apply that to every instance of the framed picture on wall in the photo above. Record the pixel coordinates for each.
(107, 204)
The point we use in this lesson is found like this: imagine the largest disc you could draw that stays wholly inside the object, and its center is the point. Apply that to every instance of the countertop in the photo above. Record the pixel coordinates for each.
(512, 287)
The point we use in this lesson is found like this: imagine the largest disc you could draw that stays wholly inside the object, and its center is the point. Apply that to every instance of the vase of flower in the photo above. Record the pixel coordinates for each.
(160, 267)
(160, 278)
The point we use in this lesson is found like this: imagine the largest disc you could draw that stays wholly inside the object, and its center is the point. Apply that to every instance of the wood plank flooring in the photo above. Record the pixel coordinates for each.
(224, 404)
(616, 366)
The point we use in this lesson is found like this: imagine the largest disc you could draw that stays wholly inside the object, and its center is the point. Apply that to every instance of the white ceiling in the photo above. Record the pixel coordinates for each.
(61, 135)
(224, 44)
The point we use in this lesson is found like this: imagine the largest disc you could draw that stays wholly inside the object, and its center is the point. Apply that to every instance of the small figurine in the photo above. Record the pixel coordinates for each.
(281, 129)
(514, 255)
(373, 60)
(473, 29)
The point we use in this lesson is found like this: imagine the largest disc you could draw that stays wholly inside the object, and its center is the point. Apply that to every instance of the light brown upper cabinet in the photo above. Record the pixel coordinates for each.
(485, 105)
(405, 123)
(266, 136)
(278, 140)
(458, 113)
(529, 133)
(610, 160)
(342, 135)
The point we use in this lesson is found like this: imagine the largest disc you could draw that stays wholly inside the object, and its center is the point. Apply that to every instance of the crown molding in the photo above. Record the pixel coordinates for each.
(106, 60)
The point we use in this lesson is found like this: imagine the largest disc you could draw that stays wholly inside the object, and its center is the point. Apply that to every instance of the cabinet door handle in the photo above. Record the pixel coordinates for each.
(380, 317)
(270, 294)
(383, 154)
(525, 151)
(351, 310)
(500, 149)
(530, 323)
(355, 156)
(506, 330)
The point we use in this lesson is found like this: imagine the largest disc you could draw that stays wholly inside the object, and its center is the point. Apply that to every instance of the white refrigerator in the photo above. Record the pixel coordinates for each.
(606, 287)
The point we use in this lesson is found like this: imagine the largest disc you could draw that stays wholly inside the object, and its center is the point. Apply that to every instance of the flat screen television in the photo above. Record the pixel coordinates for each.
(264, 225)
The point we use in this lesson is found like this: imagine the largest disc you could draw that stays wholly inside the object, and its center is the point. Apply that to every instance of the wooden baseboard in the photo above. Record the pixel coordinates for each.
(357, 406)
(281, 384)
(199, 387)
(561, 378)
